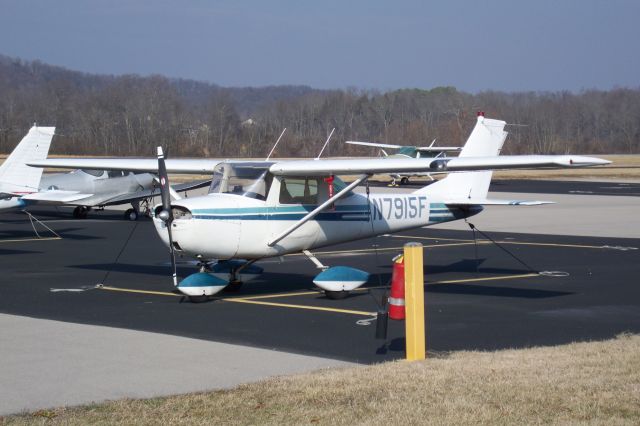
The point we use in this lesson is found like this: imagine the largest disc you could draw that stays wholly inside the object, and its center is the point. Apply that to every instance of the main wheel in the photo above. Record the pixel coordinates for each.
(76, 212)
(336, 295)
(404, 181)
(131, 214)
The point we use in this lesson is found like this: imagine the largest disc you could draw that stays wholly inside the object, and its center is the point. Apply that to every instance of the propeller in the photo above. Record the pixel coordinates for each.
(166, 215)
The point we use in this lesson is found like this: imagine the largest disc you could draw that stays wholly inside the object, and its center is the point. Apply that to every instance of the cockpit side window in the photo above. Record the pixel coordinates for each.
(299, 190)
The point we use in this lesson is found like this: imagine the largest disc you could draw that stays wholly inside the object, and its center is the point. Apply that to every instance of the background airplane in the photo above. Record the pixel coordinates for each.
(407, 151)
(90, 189)
(22, 186)
(260, 209)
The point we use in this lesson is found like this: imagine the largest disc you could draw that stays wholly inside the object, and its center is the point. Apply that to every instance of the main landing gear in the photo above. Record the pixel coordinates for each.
(337, 281)
(81, 212)
(133, 213)
(227, 275)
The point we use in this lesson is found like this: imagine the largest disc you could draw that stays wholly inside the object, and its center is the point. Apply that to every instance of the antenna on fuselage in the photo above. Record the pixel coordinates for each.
(325, 144)
(274, 146)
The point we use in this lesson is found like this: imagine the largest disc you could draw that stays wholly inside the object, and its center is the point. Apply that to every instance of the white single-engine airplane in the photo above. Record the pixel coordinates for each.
(256, 210)
(22, 186)
(405, 151)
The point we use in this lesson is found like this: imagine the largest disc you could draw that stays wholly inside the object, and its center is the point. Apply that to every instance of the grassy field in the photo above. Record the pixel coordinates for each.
(586, 383)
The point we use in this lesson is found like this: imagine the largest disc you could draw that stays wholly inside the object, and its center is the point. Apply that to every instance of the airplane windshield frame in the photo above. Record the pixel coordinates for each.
(243, 179)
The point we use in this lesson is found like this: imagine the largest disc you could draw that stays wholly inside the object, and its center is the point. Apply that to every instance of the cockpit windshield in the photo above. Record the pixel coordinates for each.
(245, 179)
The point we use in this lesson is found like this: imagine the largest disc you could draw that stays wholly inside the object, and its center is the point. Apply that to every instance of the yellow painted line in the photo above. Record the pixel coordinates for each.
(552, 244)
(467, 280)
(30, 239)
(523, 243)
(305, 307)
(383, 249)
(272, 296)
(252, 302)
(131, 290)
(426, 238)
(319, 253)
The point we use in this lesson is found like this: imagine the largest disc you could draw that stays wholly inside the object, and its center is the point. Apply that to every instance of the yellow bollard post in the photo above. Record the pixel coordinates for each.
(414, 301)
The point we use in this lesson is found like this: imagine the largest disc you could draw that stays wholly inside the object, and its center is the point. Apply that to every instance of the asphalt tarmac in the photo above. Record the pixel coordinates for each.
(495, 300)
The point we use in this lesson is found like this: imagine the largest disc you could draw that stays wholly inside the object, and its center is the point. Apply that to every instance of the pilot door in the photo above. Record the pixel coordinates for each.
(291, 198)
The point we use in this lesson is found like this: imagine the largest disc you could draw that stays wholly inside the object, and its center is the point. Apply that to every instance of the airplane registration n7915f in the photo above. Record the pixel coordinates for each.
(260, 209)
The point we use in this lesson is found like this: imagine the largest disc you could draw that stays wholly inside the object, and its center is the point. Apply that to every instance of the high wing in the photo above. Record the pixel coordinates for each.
(177, 165)
(336, 167)
(444, 164)
(429, 148)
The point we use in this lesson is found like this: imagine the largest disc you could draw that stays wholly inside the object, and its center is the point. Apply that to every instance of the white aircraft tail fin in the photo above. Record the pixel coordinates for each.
(486, 140)
(15, 176)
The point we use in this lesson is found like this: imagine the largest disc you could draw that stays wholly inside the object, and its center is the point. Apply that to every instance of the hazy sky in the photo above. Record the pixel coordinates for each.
(473, 45)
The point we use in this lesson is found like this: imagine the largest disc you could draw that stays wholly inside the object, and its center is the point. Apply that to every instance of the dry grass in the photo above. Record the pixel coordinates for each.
(586, 383)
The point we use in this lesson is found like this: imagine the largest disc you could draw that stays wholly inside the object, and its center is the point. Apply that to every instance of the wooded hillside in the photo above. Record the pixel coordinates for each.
(131, 115)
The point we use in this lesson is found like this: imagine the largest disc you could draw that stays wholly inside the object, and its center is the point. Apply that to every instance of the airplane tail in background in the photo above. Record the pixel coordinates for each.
(486, 140)
(15, 176)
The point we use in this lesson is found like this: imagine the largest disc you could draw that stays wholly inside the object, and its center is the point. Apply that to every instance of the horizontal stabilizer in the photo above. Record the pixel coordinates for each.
(494, 202)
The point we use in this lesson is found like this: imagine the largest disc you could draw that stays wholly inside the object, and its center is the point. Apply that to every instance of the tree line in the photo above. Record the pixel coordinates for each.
(131, 115)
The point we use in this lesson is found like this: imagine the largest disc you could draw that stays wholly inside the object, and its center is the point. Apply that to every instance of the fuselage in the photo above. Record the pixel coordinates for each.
(225, 226)
(102, 185)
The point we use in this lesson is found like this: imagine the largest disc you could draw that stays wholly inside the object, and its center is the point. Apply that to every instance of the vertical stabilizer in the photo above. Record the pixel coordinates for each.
(15, 176)
(486, 140)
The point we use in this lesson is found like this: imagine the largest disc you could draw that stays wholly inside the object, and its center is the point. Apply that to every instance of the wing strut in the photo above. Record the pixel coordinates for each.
(318, 209)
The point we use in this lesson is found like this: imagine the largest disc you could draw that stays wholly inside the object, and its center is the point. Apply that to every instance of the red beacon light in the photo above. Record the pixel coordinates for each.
(480, 113)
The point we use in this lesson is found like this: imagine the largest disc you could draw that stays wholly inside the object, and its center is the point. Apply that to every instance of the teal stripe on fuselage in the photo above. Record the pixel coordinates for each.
(438, 212)
(303, 208)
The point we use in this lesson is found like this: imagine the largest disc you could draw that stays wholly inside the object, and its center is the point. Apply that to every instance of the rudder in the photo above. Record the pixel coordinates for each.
(485, 140)
(15, 176)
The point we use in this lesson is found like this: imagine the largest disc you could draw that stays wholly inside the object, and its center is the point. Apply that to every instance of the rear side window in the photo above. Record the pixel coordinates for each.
(298, 190)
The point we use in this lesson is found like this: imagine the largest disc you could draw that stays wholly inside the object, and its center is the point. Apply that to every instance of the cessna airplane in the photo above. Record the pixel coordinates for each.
(255, 210)
(88, 189)
(22, 186)
(405, 151)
